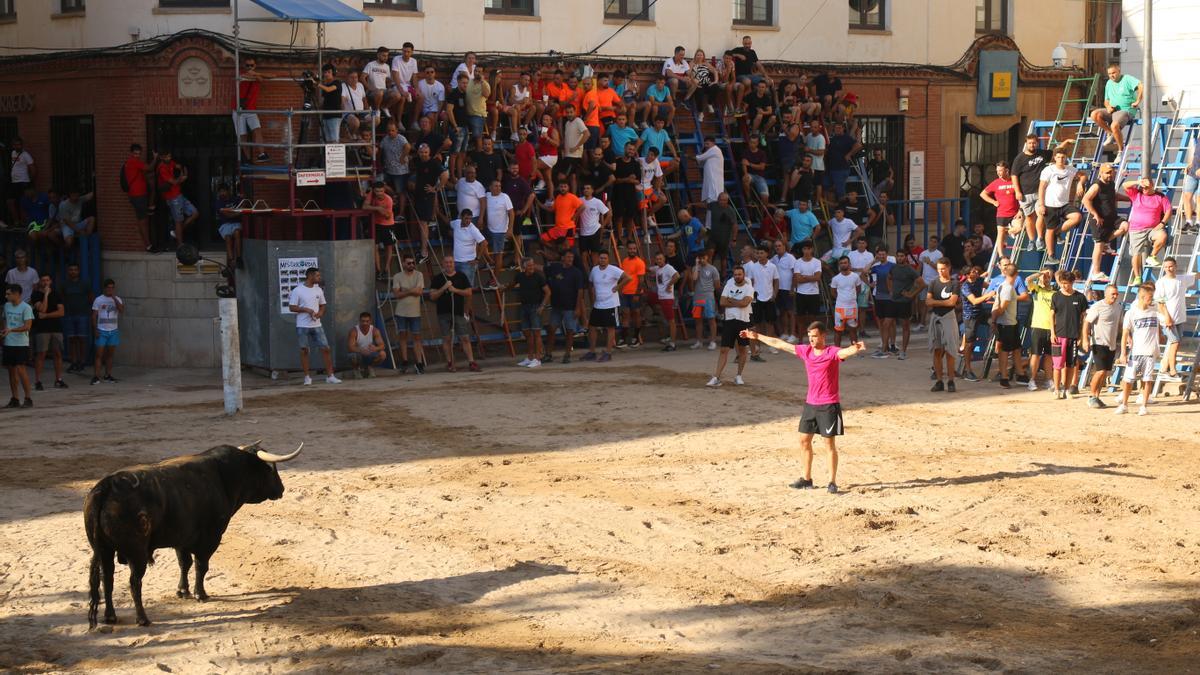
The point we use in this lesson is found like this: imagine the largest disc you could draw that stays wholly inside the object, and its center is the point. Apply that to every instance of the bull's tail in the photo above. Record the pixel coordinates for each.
(92, 506)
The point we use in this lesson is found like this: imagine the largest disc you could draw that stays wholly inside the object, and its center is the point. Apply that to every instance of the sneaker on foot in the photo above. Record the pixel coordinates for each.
(605, 357)
(13, 403)
(1073, 391)
(757, 358)
(713, 382)
(474, 367)
(950, 387)
(938, 386)
(535, 363)
(524, 362)
(902, 356)
(1120, 409)
(774, 351)
(1151, 261)
(1141, 409)
(801, 484)
(566, 358)
(879, 354)
(712, 346)
(1095, 402)
(59, 384)
(670, 347)
(972, 377)
(738, 380)
(1101, 278)
(833, 488)
(37, 386)
(419, 367)
(29, 404)
(696, 345)
(95, 380)
(332, 379)
(1170, 377)
(1050, 260)
(1032, 386)
(590, 356)
(110, 379)
(1005, 383)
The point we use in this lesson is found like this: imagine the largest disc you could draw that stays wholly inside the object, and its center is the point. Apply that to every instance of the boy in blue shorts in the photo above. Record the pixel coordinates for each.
(106, 309)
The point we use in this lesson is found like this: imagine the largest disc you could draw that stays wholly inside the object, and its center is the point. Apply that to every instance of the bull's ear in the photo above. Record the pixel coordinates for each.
(251, 447)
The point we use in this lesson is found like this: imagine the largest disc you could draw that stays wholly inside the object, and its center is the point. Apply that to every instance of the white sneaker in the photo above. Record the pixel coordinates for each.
(1032, 386)
(332, 379)
(774, 351)
(1142, 411)
(534, 363)
(1167, 377)
(1140, 400)
(1121, 409)
(523, 362)
(902, 356)
(713, 382)
(712, 346)
(738, 380)
(307, 380)
(696, 345)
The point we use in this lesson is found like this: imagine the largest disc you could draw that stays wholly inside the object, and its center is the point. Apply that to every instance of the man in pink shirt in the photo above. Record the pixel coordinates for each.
(1149, 212)
(822, 404)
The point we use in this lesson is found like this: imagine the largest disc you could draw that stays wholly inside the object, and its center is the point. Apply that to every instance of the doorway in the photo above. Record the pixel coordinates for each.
(205, 145)
(72, 153)
(977, 166)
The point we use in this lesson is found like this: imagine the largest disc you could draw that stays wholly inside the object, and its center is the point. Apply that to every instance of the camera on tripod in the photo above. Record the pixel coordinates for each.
(308, 84)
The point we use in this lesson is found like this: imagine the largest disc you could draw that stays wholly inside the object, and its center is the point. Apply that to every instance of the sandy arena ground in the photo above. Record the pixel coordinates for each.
(622, 517)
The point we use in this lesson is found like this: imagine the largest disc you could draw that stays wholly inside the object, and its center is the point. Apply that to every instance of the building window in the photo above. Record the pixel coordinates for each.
(406, 5)
(511, 7)
(8, 9)
(71, 7)
(991, 16)
(868, 14)
(753, 12)
(625, 9)
(192, 4)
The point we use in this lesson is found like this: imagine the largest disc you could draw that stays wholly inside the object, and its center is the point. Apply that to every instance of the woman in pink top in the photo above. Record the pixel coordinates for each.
(1148, 215)
(822, 404)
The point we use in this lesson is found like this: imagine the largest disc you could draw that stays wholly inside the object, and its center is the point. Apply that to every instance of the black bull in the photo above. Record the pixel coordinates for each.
(184, 503)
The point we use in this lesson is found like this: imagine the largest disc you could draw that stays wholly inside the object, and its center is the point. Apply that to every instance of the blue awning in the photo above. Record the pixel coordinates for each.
(321, 11)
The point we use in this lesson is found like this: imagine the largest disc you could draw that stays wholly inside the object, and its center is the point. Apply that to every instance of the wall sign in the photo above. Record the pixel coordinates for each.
(1001, 86)
(291, 275)
(194, 78)
(13, 103)
(310, 178)
(996, 90)
(335, 161)
(916, 181)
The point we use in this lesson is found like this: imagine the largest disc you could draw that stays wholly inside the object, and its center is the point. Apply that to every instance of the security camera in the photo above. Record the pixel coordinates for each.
(1167, 101)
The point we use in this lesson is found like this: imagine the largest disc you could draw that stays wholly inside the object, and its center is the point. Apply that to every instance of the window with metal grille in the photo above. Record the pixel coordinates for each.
(407, 5)
(754, 12)
(8, 8)
(886, 132)
(512, 7)
(991, 16)
(977, 165)
(71, 6)
(625, 9)
(868, 14)
(192, 4)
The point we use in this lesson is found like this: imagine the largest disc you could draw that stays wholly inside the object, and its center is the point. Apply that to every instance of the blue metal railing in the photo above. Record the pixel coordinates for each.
(923, 218)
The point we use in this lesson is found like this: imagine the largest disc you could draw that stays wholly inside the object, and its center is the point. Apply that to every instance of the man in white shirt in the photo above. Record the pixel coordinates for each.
(665, 278)
(861, 261)
(595, 214)
(845, 285)
(814, 143)
(307, 302)
(404, 79)
(469, 192)
(606, 302)
(764, 275)
(498, 220)
(806, 276)
(467, 66)
(378, 74)
(1139, 348)
(736, 299)
(353, 102)
(841, 231)
(432, 94)
(1170, 294)
(713, 162)
(676, 70)
(785, 305)
(1055, 211)
(467, 239)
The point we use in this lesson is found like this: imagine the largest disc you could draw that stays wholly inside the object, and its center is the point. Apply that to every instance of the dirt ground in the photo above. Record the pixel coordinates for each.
(622, 517)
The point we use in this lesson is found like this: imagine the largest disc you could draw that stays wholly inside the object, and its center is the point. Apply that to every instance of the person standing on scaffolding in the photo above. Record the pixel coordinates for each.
(245, 121)
(331, 101)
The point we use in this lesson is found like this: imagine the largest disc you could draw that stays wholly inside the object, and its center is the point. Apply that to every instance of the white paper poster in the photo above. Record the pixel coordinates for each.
(291, 275)
(335, 161)
(916, 181)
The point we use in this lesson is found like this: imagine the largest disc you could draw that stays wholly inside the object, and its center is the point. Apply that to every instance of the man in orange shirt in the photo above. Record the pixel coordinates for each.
(380, 205)
(566, 208)
(557, 94)
(631, 297)
(600, 108)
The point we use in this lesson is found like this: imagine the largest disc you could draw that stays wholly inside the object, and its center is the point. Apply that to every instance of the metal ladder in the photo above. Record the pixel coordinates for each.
(1089, 85)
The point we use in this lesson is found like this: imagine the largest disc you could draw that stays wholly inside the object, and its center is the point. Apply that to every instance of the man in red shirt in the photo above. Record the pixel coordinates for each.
(379, 203)
(170, 179)
(526, 155)
(134, 173)
(1001, 194)
(246, 121)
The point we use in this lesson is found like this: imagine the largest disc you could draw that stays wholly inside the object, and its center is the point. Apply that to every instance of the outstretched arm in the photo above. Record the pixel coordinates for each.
(769, 341)
(853, 349)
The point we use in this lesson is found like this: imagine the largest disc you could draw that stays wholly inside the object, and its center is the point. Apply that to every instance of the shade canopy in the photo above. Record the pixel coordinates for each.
(317, 11)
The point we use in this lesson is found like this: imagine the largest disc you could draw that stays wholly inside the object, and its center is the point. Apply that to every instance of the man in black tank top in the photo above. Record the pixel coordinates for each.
(1100, 201)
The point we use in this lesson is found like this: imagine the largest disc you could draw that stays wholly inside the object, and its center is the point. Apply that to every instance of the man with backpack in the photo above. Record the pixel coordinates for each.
(134, 184)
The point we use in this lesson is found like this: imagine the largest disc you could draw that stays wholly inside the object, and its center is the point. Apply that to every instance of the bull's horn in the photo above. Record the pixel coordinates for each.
(271, 457)
(251, 446)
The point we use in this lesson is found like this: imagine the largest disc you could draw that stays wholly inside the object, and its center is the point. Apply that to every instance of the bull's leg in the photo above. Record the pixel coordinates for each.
(185, 564)
(94, 591)
(106, 570)
(137, 570)
(201, 570)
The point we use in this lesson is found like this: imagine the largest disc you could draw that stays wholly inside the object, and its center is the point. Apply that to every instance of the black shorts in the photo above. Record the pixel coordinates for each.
(901, 310)
(1039, 345)
(1008, 337)
(15, 356)
(883, 308)
(141, 206)
(383, 234)
(603, 318)
(762, 311)
(720, 249)
(624, 201)
(1002, 222)
(423, 205)
(1056, 216)
(567, 166)
(808, 305)
(825, 420)
(1103, 358)
(593, 243)
(730, 333)
(1103, 230)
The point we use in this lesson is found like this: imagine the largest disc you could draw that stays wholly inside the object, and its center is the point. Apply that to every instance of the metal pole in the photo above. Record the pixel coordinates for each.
(1147, 88)
(231, 356)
